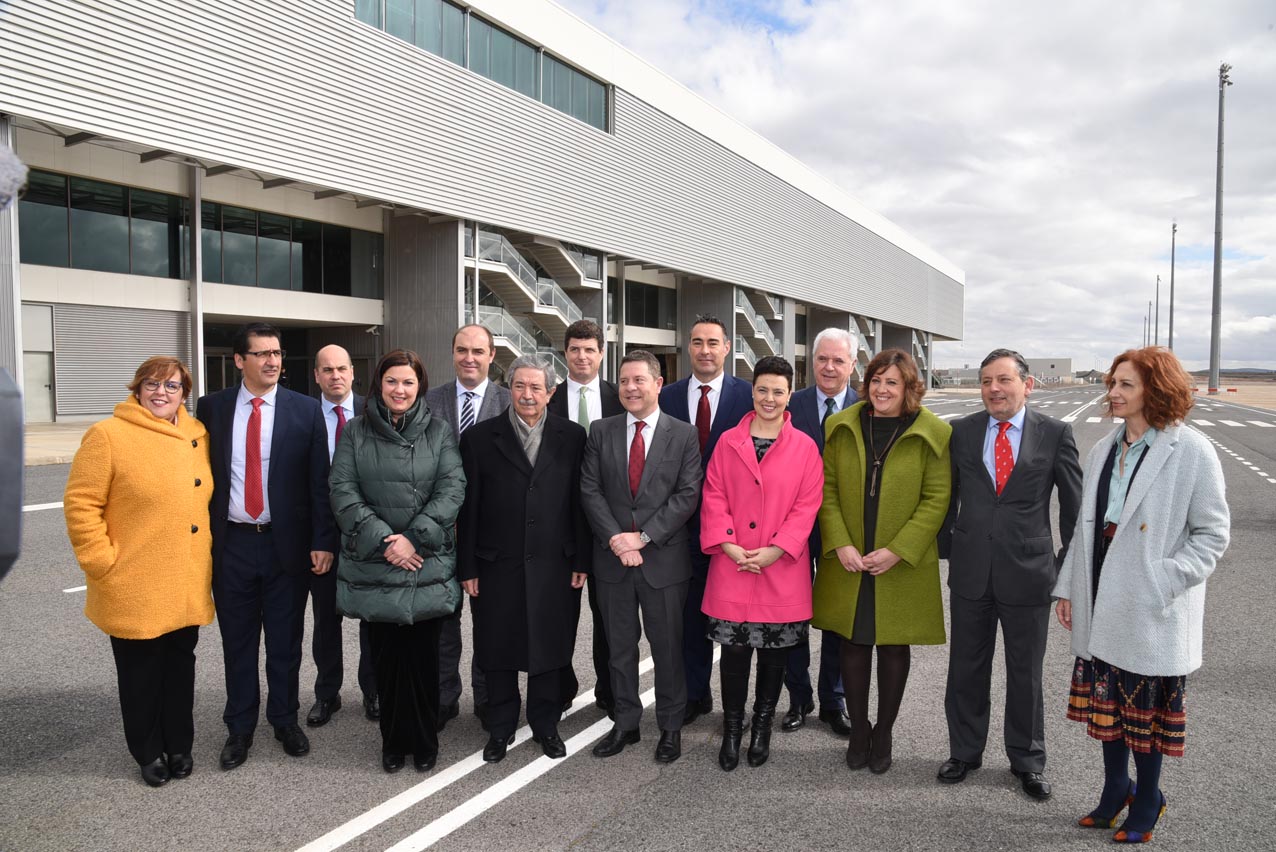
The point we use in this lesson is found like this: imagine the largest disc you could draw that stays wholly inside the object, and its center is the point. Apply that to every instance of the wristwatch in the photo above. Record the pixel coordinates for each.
(643, 537)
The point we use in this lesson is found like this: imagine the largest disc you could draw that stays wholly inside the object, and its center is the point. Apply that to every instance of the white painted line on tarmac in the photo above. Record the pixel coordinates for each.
(75, 589)
(40, 507)
(1262, 423)
(1196, 422)
(1232, 423)
(946, 416)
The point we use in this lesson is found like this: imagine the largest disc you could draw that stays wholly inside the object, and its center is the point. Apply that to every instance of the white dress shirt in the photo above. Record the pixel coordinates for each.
(330, 418)
(238, 454)
(593, 399)
(462, 390)
(839, 402)
(1014, 434)
(648, 431)
(693, 397)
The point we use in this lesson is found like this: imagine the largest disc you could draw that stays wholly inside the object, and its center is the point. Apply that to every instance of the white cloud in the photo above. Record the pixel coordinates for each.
(1044, 149)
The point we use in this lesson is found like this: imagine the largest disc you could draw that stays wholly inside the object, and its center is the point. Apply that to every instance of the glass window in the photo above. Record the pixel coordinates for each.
(42, 221)
(211, 241)
(368, 11)
(667, 308)
(365, 264)
(398, 18)
(580, 98)
(273, 251)
(307, 256)
(480, 46)
(336, 260)
(239, 246)
(596, 103)
(502, 57)
(427, 25)
(524, 69)
(558, 85)
(156, 233)
(452, 30)
(99, 226)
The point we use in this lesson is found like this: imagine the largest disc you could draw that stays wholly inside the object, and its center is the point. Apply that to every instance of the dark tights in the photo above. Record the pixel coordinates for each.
(734, 671)
(1116, 784)
(892, 676)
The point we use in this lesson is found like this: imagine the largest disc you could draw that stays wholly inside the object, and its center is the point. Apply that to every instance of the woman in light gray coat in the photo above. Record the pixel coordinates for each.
(1154, 521)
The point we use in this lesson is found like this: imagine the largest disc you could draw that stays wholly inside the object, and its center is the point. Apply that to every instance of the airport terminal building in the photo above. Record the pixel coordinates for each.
(375, 173)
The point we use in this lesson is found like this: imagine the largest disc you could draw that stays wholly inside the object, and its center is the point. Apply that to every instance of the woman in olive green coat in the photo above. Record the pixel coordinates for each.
(886, 488)
(396, 487)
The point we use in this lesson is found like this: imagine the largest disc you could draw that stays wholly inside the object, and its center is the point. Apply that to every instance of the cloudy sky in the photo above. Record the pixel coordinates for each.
(1044, 148)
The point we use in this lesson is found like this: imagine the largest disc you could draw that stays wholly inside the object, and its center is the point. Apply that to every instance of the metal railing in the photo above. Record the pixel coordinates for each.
(755, 319)
(591, 264)
(745, 351)
(502, 324)
(548, 293)
(544, 291)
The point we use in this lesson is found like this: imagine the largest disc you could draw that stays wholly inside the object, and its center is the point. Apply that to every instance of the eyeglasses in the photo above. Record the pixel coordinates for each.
(152, 386)
(268, 353)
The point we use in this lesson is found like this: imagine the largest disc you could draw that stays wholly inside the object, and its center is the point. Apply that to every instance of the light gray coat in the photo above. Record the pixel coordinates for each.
(1150, 608)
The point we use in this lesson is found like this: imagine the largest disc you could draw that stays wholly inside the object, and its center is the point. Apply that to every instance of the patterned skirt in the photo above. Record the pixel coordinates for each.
(756, 634)
(1147, 712)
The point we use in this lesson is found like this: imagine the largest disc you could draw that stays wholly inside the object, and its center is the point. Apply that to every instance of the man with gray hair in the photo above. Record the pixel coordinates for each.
(523, 552)
(1002, 565)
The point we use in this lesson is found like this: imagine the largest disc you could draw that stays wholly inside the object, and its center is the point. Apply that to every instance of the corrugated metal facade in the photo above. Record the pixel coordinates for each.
(302, 90)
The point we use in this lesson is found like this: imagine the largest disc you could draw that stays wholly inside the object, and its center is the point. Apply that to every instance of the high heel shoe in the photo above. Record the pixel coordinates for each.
(861, 740)
(1129, 835)
(1094, 819)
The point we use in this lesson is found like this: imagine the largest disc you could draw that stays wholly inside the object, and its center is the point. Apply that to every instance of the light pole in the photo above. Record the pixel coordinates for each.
(1156, 325)
(1174, 229)
(1147, 336)
(1216, 314)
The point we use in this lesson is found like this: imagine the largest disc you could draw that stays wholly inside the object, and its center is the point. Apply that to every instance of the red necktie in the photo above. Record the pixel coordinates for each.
(253, 503)
(637, 458)
(1003, 457)
(341, 423)
(703, 417)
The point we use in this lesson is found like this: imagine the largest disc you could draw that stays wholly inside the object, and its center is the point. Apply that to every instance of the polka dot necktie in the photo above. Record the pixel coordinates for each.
(1003, 456)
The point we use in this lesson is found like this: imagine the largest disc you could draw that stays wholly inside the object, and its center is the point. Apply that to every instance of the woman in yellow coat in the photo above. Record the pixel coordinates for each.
(136, 508)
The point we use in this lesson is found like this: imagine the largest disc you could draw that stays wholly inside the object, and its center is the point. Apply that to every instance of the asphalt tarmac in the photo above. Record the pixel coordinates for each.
(67, 781)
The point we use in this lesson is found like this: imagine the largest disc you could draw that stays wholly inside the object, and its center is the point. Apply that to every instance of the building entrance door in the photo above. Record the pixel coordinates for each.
(37, 386)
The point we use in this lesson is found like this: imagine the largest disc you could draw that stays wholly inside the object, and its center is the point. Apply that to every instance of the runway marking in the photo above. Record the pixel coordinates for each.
(1202, 423)
(1071, 416)
(1263, 423)
(40, 507)
(946, 416)
(1094, 419)
(74, 589)
(1232, 423)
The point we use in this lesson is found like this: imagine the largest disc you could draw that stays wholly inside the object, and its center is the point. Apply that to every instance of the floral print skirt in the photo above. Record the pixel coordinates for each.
(756, 634)
(1146, 711)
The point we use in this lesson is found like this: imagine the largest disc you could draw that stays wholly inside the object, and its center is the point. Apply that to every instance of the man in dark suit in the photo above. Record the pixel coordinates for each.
(334, 373)
(272, 526)
(591, 399)
(712, 402)
(523, 551)
(1002, 565)
(832, 359)
(640, 484)
(471, 398)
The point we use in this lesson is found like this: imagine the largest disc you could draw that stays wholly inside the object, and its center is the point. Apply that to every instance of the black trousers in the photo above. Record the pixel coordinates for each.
(157, 692)
(450, 664)
(697, 650)
(544, 701)
(325, 640)
(601, 652)
(406, 659)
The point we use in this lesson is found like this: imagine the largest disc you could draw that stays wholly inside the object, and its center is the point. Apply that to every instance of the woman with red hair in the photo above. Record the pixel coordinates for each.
(1153, 523)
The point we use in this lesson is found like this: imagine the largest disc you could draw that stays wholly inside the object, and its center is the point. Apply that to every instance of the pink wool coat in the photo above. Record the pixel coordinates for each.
(753, 506)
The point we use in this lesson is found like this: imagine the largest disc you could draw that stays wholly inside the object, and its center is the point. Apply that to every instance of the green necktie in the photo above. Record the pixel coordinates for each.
(582, 410)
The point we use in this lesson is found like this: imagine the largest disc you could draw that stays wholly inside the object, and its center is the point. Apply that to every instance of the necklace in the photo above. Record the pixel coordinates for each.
(879, 459)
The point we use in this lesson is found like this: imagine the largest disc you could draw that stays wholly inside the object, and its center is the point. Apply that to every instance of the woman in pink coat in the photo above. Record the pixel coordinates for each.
(762, 493)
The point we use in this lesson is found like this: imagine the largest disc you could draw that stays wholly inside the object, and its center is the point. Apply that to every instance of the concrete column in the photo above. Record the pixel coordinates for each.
(424, 296)
(704, 297)
(195, 256)
(788, 331)
(10, 279)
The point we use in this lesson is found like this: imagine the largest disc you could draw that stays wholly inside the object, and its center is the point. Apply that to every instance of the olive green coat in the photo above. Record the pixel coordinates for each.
(912, 501)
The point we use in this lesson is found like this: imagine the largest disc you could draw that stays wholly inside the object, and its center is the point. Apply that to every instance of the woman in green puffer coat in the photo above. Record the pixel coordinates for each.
(396, 487)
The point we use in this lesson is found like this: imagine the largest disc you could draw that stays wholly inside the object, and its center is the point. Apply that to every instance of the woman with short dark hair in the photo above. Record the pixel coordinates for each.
(1153, 524)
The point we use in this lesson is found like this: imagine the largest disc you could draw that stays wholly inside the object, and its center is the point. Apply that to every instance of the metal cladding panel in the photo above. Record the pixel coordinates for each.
(302, 90)
(99, 350)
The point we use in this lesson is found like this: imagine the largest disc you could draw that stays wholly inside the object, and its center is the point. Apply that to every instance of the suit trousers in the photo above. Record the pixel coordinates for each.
(797, 672)
(662, 615)
(967, 699)
(253, 596)
(450, 665)
(157, 692)
(326, 641)
(406, 658)
(544, 701)
(697, 650)
(601, 653)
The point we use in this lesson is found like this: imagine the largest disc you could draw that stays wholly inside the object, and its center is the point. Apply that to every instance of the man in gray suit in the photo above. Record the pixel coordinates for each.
(1002, 565)
(471, 398)
(640, 484)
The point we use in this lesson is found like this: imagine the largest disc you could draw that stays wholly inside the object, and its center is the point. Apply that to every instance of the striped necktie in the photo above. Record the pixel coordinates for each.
(467, 412)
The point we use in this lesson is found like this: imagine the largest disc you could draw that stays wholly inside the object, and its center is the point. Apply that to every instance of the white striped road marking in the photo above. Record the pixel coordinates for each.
(1232, 423)
(1262, 423)
(40, 507)
(1196, 422)
(75, 589)
(1093, 419)
(947, 416)
(1072, 415)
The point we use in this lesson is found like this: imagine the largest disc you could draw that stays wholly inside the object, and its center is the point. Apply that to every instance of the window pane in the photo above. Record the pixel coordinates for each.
(273, 251)
(398, 18)
(480, 40)
(597, 109)
(427, 25)
(525, 69)
(365, 264)
(580, 96)
(99, 226)
(239, 246)
(562, 92)
(336, 260)
(502, 70)
(211, 242)
(453, 32)
(42, 221)
(633, 304)
(307, 256)
(156, 233)
(368, 11)
(668, 309)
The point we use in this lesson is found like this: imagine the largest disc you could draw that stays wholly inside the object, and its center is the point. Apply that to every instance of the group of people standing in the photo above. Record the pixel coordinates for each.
(709, 512)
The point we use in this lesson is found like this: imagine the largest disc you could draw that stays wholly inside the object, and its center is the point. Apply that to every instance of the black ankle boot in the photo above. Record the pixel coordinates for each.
(770, 681)
(732, 732)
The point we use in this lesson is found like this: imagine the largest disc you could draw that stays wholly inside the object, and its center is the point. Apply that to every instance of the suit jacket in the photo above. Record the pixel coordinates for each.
(522, 533)
(1008, 537)
(301, 518)
(442, 403)
(606, 390)
(736, 400)
(668, 495)
(807, 417)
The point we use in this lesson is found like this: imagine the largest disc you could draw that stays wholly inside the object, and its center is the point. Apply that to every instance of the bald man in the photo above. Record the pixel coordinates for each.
(334, 373)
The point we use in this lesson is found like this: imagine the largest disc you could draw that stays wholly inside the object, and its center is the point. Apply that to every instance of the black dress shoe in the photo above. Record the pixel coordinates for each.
(235, 751)
(424, 762)
(321, 711)
(295, 741)
(836, 720)
(1034, 784)
(954, 770)
(669, 748)
(391, 762)
(447, 712)
(796, 717)
(552, 745)
(879, 754)
(372, 707)
(155, 773)
(696, 709)
(494, 751)
(615, 742)
(180, 765)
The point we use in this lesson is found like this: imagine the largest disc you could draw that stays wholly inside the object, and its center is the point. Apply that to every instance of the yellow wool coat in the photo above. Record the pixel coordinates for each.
(136, 509)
